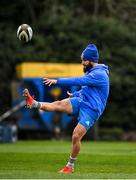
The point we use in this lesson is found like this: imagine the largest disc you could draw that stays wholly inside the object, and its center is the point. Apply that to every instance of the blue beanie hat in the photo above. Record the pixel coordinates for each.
(90, 53)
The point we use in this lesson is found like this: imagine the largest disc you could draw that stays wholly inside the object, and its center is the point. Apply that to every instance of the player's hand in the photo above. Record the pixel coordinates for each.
(70, 94)
(49, 82)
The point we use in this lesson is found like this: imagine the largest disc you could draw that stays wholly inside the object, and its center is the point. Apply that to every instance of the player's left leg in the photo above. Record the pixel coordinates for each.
(87, 119)
(78, 134)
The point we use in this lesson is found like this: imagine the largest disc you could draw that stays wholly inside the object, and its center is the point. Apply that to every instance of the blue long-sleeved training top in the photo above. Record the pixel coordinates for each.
(94, 87)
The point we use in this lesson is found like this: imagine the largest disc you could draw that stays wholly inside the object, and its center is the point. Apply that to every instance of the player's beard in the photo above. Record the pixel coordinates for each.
(86, 68)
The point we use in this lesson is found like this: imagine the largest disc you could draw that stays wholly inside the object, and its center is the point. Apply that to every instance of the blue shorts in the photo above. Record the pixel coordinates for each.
(86, 116)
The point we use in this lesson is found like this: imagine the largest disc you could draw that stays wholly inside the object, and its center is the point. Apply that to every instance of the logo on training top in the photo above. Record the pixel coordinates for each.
(92, 75)
(87, 122)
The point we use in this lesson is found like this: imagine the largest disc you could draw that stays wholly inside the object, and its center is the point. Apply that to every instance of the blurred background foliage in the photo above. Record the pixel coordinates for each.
(62, 28)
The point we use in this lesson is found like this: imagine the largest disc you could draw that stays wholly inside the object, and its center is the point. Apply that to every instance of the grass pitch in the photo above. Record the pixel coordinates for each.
(43, 159)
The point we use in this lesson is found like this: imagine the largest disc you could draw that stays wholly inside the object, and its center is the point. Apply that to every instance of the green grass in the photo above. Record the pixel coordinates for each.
(42, 159)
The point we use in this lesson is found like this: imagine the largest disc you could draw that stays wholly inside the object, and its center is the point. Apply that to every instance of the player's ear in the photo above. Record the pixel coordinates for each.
(87, 62)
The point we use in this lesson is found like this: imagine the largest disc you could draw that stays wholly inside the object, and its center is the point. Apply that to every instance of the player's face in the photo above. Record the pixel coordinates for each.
(86, 65)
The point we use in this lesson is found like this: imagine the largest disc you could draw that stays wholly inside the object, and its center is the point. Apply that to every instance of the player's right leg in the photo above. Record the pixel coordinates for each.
(60, 106)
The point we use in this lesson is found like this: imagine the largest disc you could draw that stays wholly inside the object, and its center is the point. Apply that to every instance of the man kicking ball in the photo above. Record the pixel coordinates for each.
(88, 103)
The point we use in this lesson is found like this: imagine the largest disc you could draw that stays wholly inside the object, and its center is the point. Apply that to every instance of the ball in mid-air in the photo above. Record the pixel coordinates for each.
(24, 33)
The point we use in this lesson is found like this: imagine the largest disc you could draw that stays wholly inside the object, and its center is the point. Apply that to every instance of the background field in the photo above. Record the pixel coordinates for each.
(42, 159)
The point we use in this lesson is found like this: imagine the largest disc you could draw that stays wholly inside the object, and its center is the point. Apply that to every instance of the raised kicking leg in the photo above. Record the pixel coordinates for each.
(60, 106)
